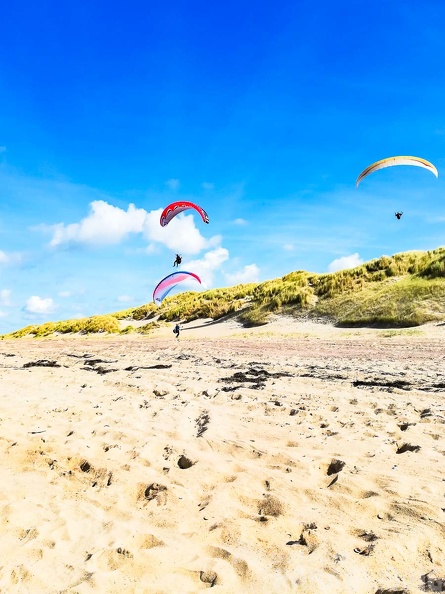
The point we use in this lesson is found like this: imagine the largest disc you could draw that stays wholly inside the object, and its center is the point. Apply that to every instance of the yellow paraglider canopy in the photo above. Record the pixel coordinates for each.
(400, 160)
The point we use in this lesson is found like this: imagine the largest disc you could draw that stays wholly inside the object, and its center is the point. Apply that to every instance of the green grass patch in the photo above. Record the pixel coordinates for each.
(92, 325)
(404, 290)
(410, 301)
(402, 332)
(150, 327)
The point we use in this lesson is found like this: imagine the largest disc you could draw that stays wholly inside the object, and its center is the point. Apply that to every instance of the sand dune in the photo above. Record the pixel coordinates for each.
(296, 457)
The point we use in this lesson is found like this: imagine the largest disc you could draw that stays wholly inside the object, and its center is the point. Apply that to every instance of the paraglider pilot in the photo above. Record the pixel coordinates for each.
(176, 330)
(398, 215)
(178, 260)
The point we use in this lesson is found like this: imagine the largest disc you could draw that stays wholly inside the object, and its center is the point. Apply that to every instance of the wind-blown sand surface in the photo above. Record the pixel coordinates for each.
(296, 457)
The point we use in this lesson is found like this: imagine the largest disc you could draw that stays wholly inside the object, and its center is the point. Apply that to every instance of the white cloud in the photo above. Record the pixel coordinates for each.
(207, 186)
(179, 235)
(248, 274)
(3, 314)
(106, 224)
(11, 258)
(64, 293)
(151, 248)
(240, 221)
(214, 241)
(208, 265)
(4, 297)
(172, 184)
(39, 305)
(288, 247)
(124, 298)
(345, 262)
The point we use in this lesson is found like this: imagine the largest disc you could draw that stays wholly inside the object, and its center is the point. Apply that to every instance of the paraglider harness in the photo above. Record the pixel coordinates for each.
(398, 215)
(177, 261)
(176, 330)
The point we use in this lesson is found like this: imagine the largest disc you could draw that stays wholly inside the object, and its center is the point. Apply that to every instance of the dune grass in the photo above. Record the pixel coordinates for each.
(409, 301)
(92, 325)
(404, 290)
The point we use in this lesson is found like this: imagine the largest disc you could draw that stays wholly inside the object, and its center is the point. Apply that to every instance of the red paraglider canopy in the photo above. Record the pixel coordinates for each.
(175, 208)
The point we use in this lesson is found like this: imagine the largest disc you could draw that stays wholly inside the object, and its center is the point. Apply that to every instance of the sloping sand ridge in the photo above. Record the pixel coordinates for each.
(251, 461)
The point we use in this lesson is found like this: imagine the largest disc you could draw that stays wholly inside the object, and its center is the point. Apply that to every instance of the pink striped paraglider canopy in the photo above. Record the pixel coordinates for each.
(169, 282)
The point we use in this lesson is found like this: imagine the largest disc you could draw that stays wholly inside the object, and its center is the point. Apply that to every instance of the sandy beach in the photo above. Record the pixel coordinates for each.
(294, 457)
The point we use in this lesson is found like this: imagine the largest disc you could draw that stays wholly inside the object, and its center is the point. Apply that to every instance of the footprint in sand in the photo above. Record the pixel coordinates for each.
(153, 491)
(335, 466)
(146, 494)
(204, 503)
(148, 541)
(208, 577)
(202, 423)
(27, 535)
(239, 565)
(96, 477)
(405, 426)
(308, 538)
(407, 447)
(365, 535)
(85, 466)
(185, 462)
(270, 506)
(20, 575)
(113, 559)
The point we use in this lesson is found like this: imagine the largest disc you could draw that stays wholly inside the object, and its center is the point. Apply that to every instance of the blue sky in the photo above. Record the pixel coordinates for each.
(263, 113)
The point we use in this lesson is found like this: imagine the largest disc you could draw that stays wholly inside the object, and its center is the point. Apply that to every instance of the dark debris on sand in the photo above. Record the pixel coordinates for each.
(137, 367)
(96, 361)
(92, 366)
(41, 363)
(386, 385)
(256, 377)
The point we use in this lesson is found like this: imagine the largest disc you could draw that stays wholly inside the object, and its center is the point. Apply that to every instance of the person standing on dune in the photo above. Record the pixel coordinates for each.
(176, 330)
